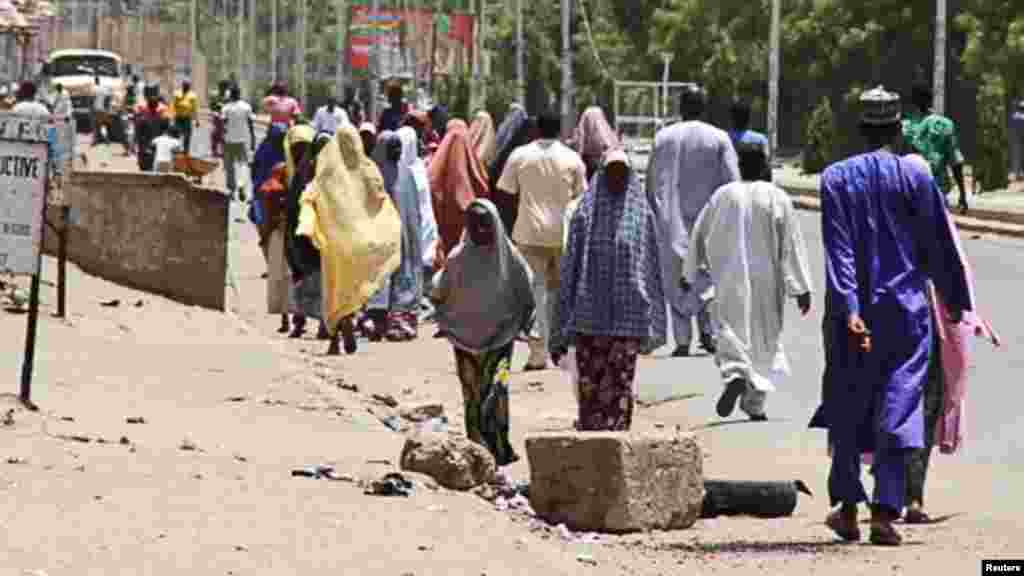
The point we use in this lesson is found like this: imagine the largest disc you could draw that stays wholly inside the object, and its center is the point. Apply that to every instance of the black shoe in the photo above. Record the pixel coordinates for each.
(707, 342)
(727, 402)
(681, 352)
(758, 417)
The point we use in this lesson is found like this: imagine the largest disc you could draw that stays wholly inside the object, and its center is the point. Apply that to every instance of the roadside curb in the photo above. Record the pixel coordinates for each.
(965, 223)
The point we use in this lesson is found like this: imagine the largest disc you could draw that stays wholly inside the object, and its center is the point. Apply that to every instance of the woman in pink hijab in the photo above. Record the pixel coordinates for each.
(594, 136)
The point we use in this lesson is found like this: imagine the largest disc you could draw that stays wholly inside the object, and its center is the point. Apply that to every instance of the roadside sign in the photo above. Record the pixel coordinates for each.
(23, 172)
(24, 182)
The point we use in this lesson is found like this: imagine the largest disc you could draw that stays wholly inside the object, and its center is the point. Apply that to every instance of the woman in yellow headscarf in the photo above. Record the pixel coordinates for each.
(352, 221)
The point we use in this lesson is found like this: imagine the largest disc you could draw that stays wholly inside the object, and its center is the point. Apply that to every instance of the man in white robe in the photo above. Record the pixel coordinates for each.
(748, 239)
(691, 159)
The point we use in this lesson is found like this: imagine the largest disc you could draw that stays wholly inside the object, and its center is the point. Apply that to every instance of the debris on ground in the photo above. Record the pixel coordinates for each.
(745, 498)
(110, 303)
(188, 445)
(423, 412)
(321, 473)
(135, 420)
(386, 399)
(8, 419)
(392, 484)
(341, 383)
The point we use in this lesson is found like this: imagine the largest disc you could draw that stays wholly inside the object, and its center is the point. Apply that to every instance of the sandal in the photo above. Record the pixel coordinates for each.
(885, 535)
(727, 402)
(843, 527)
(916, 516)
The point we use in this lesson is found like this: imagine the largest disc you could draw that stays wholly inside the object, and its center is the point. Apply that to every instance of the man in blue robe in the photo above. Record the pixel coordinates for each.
(885, 232)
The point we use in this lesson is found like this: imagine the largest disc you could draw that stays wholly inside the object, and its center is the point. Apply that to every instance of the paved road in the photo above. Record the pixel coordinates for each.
(990, 470)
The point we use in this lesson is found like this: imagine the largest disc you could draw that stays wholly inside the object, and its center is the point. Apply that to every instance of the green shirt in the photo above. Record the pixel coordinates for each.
(934, 137)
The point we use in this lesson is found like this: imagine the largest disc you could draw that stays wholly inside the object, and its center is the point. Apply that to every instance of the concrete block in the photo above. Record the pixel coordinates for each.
(616, 482)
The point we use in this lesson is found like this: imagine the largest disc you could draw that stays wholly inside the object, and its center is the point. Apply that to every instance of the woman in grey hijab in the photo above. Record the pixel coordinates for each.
(484, 299)
(386, 155)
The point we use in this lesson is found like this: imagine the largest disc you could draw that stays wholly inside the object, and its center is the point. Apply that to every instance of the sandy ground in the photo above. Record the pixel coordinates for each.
(230, 408)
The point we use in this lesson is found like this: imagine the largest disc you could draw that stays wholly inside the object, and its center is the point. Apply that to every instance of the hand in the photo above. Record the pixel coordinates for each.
(557, 354)
(859, 335)
(684, 285)
(803, 301)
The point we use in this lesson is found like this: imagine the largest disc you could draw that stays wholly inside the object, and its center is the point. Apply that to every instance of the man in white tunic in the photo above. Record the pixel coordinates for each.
(748, 239)
(691, 160)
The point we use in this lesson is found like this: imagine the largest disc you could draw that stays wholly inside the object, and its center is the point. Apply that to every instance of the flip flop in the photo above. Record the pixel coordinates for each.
(885, 536)
(914, 516)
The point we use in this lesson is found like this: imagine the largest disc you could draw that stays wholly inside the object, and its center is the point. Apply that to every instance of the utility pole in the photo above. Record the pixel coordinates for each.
(241, 45)
(273, 41)
(939, 81)
(340, 54)
(568, 121)
(374, 64)
(251, 54)
(666, 58)
(192, 39)
(773, 79)
(224, 30)
(520, 55)
(302, 53)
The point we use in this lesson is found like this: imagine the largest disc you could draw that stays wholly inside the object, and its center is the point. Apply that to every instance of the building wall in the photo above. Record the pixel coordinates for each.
(152, 232)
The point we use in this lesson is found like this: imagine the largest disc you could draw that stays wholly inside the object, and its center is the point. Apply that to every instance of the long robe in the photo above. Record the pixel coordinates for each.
(886, 232)
(689, 162)
(749, 238)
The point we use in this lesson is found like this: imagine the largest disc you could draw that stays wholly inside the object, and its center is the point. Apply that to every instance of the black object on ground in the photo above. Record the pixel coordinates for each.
(746, 498)
(393, 484)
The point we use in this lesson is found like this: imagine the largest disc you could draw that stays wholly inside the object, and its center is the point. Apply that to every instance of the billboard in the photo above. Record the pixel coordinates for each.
(403, 41)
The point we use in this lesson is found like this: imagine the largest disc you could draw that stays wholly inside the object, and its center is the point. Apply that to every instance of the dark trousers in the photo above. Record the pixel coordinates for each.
(184, 125)
(934, 397)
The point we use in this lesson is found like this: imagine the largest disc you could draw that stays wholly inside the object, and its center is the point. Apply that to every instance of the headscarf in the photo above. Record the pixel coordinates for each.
(303, 257)
(594, 136)
(439, 120)
(482, 136)
(268, 154)
(299, 134)
(353, 223)
(611, 274)
(388, 168)
(456, 179)
(484, 293)
(271, 194)
(414, 187)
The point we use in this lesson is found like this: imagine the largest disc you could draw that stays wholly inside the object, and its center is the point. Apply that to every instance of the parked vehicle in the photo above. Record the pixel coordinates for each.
(77, 70)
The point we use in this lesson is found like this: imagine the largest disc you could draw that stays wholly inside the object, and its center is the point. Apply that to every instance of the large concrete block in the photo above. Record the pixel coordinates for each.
(616, 482)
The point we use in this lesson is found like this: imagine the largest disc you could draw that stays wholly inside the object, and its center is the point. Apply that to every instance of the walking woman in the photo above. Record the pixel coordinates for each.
(273, 194)
(456, 179)
(482, 137)
(594, 137)
(269, 154)
(350, 219)
(610, 300)
(304, 257)
(484, 299)
(513, 133)
(386, 155)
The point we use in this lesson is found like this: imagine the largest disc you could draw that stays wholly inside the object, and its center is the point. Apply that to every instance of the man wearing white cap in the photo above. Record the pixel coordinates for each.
(886, 233)
(749, 237)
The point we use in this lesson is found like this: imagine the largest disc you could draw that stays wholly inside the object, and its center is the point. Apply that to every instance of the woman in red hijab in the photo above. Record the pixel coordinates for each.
(456, 179)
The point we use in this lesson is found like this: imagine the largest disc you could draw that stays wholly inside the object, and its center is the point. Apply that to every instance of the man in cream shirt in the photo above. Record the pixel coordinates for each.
(545, 175)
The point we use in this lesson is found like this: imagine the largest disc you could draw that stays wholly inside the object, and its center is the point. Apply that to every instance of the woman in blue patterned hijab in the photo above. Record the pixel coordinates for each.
(610, 304)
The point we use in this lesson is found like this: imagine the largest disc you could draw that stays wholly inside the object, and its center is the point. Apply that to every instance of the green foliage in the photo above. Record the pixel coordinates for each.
(991, 164)
(820, 148)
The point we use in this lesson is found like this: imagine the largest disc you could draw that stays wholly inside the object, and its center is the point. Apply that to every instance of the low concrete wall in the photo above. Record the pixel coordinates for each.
(153, 232)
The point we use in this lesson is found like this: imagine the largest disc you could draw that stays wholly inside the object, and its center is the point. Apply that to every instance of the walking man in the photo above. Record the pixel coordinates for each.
(742, 134)
(933, 136)
(238, 133)
(101, 112)
(749, 238)
(546, 175)
(186, 107)
(886, 232)
(691, 160)
(1017, 143)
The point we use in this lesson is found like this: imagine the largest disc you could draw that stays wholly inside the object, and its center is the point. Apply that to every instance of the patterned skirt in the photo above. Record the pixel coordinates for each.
(306, 296)
(607, 368)
(485, 395)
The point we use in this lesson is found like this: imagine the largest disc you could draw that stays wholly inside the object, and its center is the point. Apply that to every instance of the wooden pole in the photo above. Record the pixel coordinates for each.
(939, 81)
(773, 78)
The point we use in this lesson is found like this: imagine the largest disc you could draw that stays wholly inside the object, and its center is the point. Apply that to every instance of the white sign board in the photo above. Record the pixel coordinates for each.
(23, 157)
